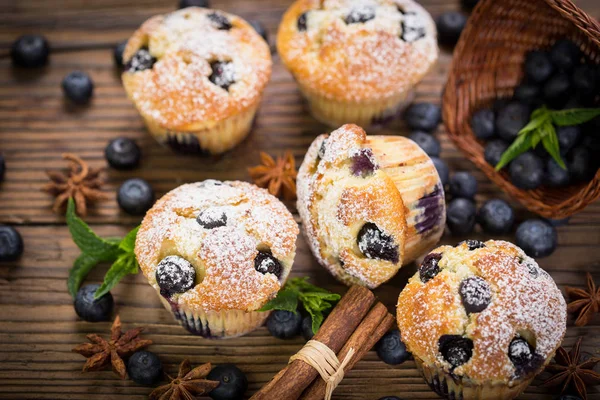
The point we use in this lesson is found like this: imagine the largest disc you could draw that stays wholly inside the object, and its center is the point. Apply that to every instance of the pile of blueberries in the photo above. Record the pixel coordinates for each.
(559, 78)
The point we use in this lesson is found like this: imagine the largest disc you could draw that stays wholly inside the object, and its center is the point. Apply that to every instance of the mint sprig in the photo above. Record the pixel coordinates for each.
(315, 300)
(95, 250)
(541, 129)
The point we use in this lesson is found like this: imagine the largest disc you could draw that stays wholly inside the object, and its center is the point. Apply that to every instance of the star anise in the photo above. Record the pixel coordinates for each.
(279, 177)
(100, 352)
(82, 183)
(569, 369)
(188, 384)
(586, 303)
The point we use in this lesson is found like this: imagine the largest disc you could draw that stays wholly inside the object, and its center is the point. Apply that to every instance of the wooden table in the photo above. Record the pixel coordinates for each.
(38, 326)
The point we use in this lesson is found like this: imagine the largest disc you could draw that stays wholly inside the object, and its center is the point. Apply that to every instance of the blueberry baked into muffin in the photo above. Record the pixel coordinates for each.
(356, 61)
(216, 252)
(196, 76)
(481, 320)
(369, 204)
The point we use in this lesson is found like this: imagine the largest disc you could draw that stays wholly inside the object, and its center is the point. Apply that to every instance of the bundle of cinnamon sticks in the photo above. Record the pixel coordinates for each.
(352, 324)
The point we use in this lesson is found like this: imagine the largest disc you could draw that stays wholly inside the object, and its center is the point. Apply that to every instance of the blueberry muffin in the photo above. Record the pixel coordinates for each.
(369, 204)
(216, 252)
(196, 76)
(481, 320)
(357, 61)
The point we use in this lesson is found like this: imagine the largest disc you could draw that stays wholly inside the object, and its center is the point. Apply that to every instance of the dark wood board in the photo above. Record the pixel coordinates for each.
(38, 326)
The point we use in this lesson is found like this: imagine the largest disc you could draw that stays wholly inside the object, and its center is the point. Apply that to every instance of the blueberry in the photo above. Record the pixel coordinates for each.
(442, 170)
(194, 3)
(220, 21)
(460, 216)
(374, 243)
(423, 116)
(284, 324)
(322, 149)
(144, 368)
(528, 93)
(511, 119)
(483, 123)
(123, 153)
(260, 29)
(307, 331)
(475, 294)
(411, 26)
(141, 60)
(232, 382)
(473, 244)
(565, 54)
(2, 167)
(579, 163)
(586, 80)
(538, 66)
(429, 268)
(360, 15)
(430, 145)
(523, 356)
(557, 89)
(78, 87)
(493, 151)
(555, 175)
(30, 51)
(301, 23)
(449, 26)
(568, 137)
(223, 74)
(135, 196)
(118, 53)
(526, 171)
(537, 238)
(463, 184)
(455, 349)
(212, 218)
(363, 163)
(92, 310)
(11, 243)
(496, 217)
(390, 348)
(175, 274)
(265, 263)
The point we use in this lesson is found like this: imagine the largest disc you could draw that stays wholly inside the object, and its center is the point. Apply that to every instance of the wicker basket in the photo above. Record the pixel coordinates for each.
(488, 64)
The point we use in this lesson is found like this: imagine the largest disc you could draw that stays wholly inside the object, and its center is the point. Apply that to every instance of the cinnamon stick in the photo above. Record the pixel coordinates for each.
(373, 327)
(290, 382)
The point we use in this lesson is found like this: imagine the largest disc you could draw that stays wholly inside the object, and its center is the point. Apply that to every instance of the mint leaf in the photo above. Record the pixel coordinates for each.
(302, 284)
(317, 319)
(535, 139)
(535, 122)
(521, 144)
(81, 268)
(89, 243)
(550, 142)
(126, 264)
(286, 299)
(574, 116)
(128, 242)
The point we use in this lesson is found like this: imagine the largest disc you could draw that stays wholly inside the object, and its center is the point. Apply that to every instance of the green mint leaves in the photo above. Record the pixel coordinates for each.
(541, 129)
(95, 250)
(315, 300)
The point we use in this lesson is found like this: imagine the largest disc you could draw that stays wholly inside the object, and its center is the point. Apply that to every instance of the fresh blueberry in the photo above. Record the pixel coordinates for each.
(307, 331)
(475, 294)
(568, 137)
(538, 66)
(232, 382)
(526, 171)
(390, 348)
(528, 93)
(442, 170)
(423, 116)
(429, 268)
(284, 324)
(265, 263)
(496, 217)
(144, 368)
(469, 4)
(460, 216)
(449, 26)
(11, 243)
(557, 89)
(135, 196)
(463, 184)
(483, 123)
(511, 119)
(360, 15)
(537, 238)
(493, 151)
(220, 21)
(586, 80)
(175, 274)
(30, 51)
(363, 163)
(430, 145)
(565, 54)
(455, 349)
(260, 29)
(555, 175)
(223, 74)
(194, 3)
(2, 167)
(301, 23)
(92, 310)
(78, 87)
(579, 163)
(141, 60)
(123, 153)
(118, 53)
(374, 243)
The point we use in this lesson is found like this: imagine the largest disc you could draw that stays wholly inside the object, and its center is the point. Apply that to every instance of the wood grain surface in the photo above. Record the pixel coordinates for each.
(38, 326)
